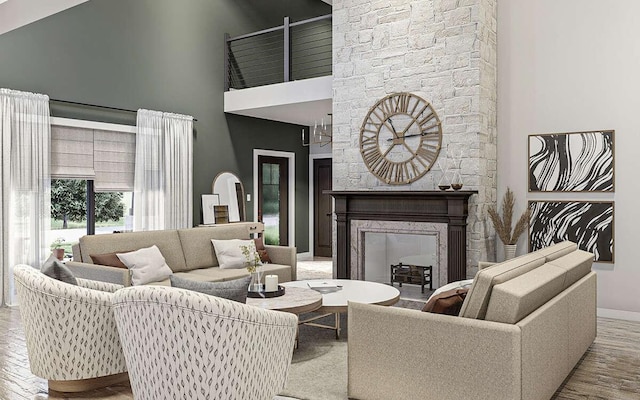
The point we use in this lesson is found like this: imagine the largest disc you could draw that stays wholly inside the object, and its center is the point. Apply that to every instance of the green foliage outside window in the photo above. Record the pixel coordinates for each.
(69, 202)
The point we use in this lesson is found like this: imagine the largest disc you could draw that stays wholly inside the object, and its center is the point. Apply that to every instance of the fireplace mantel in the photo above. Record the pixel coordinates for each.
(421, 206)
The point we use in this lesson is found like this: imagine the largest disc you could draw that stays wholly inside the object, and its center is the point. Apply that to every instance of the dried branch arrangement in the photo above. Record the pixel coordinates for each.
(503, 225)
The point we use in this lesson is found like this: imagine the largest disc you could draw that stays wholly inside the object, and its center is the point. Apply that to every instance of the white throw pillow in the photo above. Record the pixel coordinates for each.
(229, 253)
(465, 284)
(146, 265)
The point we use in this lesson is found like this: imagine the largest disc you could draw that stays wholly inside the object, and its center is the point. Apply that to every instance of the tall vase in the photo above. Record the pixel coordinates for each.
(509, 251)
(256, 277)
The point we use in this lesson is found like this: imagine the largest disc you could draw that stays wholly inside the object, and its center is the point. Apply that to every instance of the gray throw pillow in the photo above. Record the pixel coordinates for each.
(235, 290)
(53, 268)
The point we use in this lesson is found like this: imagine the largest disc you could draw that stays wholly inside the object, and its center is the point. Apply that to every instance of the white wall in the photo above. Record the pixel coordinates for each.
(566, 66)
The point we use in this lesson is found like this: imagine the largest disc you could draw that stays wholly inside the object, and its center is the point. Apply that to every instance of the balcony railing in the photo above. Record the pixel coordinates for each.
(292, 51)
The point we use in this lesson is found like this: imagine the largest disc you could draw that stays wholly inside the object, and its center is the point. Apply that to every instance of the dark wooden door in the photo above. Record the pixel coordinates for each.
(322, 208)
(273, 199)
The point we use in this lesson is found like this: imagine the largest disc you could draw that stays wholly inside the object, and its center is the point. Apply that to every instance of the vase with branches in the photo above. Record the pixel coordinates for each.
(253, 266)
(502, 223)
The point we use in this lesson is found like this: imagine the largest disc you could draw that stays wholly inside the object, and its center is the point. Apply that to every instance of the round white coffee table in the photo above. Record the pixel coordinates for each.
(296, 300)
(335, 300)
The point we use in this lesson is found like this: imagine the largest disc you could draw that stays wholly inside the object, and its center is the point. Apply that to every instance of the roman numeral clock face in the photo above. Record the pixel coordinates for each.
(400, 138)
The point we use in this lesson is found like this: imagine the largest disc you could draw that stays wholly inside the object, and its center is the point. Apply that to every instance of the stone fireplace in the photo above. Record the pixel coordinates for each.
(442, 51)
(442, 214)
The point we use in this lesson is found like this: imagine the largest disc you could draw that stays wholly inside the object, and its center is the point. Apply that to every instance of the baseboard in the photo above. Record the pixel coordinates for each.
(618, 314)
(305, 256)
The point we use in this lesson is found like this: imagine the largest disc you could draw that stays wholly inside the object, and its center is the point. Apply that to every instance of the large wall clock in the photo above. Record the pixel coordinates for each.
(400, 138)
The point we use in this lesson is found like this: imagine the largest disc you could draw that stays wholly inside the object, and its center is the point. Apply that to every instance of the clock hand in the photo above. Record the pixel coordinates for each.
(393, 129)
(417, 134)
(407, 136)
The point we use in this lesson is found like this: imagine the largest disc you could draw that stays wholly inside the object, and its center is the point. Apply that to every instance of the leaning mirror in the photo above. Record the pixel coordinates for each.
(231, 192)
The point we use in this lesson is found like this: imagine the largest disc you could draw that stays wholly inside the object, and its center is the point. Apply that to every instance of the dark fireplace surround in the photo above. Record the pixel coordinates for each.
(419, 206)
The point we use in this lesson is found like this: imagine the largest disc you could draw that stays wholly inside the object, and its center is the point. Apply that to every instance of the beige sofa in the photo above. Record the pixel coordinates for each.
(523, 326)
(188, 252)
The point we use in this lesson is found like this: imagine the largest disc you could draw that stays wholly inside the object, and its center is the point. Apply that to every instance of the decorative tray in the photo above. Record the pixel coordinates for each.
(263, 294)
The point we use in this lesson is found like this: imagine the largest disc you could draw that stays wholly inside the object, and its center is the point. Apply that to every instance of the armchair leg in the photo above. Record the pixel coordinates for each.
(83, 385)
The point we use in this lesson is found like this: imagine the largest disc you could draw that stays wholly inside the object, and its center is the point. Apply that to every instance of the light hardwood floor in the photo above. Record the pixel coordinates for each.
(610, 370)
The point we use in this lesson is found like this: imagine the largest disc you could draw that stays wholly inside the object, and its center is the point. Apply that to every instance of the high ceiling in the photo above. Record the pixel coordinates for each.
(17, 13)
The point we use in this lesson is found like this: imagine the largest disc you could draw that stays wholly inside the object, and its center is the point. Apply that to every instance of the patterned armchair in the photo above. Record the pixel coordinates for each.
(70, 330)
(187, 345)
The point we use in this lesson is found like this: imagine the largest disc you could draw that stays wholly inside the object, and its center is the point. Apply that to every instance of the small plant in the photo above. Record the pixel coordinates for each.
(252, 257)
(503, 225)
(57, 244)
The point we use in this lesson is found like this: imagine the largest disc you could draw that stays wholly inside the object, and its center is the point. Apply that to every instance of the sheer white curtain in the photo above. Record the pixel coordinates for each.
(163, 183)
(25, 190)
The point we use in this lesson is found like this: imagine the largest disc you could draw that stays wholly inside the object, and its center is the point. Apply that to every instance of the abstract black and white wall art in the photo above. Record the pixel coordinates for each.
(572, 162)
(587, 223)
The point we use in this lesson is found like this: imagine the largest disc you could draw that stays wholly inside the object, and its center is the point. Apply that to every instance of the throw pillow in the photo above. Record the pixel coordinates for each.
(465, 284)
(53, 268)
(235, 290)
(448, 302)
(109, 259)
(146, 265)
(262, 251)
(229, 253)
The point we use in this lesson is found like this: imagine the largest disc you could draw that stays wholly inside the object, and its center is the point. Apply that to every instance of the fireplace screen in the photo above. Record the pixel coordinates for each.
(383, 250)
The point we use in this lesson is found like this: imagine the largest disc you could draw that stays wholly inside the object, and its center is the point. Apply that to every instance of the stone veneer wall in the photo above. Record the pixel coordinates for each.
(441, 50)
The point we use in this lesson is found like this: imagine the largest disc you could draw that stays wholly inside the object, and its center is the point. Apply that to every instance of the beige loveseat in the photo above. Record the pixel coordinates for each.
(523, 326)
(188, 252)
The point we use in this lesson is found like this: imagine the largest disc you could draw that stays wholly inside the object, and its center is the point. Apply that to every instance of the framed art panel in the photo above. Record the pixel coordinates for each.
(587, 223)
(572, 162)
(208, 211)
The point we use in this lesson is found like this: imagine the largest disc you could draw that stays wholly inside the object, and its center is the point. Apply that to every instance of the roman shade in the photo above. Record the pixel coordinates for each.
(114, 160)
(105, 156)
(71, 153)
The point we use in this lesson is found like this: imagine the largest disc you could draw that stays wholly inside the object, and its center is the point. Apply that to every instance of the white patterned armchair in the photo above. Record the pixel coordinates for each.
(70, 330)
(181, 344)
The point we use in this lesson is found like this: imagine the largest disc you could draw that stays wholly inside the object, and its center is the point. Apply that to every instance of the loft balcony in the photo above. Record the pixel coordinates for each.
(281, 73)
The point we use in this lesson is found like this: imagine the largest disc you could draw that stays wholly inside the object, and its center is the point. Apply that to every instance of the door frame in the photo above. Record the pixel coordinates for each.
(292, 187)
(313, 157)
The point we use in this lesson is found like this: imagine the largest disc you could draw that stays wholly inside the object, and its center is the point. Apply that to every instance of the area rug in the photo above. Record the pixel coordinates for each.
(319, 366)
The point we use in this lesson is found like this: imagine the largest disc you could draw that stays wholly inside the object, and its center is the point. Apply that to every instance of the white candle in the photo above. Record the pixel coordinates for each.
(271, 283)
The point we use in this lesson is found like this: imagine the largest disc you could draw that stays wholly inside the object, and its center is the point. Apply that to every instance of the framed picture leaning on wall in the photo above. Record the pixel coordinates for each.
(572, 162)
(208, 203)
(587, 223)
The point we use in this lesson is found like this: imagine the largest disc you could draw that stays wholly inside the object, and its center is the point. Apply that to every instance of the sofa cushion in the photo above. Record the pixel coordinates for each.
(167, 241)
(53, 268)
(515, 299)
(235, 290)
(109, 259)
(577, 264)
(446, 302)
(216, 274)
(477, 300)
(146, 265)
(557, 250)
(196, 243)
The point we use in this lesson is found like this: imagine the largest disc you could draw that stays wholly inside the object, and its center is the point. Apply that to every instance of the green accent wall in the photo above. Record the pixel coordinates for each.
(161, 55)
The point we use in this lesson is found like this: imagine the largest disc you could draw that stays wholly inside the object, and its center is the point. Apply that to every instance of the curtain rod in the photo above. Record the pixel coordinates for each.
(97, 106)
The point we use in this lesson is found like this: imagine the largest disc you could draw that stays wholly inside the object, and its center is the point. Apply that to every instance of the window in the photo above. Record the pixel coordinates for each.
(92, 169)
(71, 219)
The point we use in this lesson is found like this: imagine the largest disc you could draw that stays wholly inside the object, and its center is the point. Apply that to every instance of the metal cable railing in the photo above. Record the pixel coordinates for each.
(292, 51)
